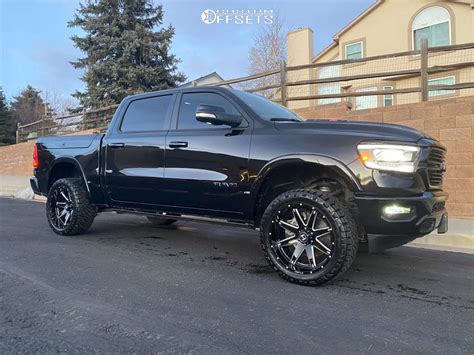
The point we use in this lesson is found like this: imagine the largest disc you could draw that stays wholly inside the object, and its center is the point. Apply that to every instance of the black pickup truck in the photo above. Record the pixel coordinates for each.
(316, 190)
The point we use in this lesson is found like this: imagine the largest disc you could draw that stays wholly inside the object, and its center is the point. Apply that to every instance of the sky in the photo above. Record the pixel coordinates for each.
(36, 48)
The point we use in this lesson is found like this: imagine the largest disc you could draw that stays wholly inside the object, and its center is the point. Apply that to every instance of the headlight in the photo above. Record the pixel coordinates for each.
(390, 157)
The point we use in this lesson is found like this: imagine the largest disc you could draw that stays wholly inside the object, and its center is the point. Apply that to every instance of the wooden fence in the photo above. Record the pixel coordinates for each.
(281, 87)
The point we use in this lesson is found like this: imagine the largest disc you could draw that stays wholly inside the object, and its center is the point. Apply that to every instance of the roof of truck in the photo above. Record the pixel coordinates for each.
(191, 88)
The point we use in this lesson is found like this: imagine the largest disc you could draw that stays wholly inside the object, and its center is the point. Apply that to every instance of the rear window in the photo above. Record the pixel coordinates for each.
(146, 114)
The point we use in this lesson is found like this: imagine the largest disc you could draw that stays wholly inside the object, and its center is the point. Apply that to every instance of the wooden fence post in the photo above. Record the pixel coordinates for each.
(43, 124)
(424, 69)
(18, 132)
(283, 83)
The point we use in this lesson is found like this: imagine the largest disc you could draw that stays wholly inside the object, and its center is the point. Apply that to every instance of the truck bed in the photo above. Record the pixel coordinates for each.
(59, 142)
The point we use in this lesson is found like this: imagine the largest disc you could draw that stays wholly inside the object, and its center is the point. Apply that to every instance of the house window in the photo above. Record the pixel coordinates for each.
(364, 102)
(449, 80)
(434, 24)
(388, 99)
(331, 71)
(354, 50)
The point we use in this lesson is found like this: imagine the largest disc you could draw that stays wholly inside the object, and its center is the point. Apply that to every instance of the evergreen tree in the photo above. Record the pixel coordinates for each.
(125, 50)
(28, 106)
(7, 128)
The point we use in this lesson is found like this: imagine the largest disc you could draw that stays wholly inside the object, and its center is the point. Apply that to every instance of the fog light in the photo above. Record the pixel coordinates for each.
(397, 212)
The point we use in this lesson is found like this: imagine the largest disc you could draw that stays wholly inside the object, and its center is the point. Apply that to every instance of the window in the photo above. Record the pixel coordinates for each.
(363, 102)
(264, 108)
(450, 80)
(354, 50)
(146, 114)
(189, 104)
(388, 99)
(331, 71)
(434, 24)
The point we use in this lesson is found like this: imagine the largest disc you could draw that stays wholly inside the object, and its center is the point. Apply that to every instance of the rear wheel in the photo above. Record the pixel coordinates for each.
(159, 221)
(68, 209)
(309, 237)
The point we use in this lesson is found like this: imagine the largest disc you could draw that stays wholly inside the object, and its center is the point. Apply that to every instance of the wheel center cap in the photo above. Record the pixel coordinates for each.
(303, 237)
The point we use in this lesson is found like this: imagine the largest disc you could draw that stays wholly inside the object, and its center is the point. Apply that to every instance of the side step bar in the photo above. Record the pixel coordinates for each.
(187, 217)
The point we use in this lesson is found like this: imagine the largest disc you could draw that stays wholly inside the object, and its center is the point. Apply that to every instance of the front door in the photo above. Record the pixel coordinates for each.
(135, 153)
(207, 166)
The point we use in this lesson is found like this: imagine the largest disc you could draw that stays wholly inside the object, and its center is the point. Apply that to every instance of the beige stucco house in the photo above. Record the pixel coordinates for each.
(209, 79)
(388, 26)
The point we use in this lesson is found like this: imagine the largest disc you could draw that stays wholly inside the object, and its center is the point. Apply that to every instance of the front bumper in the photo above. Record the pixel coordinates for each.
(383, 232)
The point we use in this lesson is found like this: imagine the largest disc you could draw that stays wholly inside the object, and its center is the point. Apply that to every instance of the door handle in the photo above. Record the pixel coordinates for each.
(178, 145)
(116, 145)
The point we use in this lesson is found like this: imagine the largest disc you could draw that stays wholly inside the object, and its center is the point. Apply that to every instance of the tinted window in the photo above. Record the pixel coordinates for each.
(189, 103)
(146, 114)
(265, 108)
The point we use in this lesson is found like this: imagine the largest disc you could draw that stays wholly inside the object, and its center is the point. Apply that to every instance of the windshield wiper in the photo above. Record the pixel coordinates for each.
(281, 119)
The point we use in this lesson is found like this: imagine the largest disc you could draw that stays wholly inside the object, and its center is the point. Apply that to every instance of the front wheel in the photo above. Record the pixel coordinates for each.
(308, 237)
(68, 209)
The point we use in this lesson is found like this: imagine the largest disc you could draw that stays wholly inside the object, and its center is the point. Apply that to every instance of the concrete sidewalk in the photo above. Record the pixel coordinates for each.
(16, 186)
(460, 236)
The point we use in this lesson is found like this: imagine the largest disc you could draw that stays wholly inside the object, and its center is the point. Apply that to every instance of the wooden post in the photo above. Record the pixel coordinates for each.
(43, 124)
(18, 132)
(283, 83)
(424, 69)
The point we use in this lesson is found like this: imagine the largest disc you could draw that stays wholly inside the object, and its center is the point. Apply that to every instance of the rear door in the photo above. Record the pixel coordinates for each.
(207, 166)
(135, 152)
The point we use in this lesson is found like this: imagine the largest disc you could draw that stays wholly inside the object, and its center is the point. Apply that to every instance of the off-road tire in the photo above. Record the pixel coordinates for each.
(83, 211)
(159, 221)
(345, 233)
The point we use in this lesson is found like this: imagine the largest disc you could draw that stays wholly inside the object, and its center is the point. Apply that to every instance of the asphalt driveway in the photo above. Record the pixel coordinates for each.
(129, 287)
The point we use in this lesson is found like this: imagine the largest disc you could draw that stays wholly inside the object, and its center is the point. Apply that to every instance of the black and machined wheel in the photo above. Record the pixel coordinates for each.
(309, 237)
(68, 209)
(159, 221)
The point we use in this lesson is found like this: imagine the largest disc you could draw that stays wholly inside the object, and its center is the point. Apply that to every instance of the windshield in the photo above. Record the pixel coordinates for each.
(265, 108)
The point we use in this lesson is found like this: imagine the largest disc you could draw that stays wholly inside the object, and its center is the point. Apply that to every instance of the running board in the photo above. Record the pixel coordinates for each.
(188, 218)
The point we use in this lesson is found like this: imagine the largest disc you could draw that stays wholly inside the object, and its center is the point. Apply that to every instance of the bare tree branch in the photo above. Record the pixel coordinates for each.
(268, 50)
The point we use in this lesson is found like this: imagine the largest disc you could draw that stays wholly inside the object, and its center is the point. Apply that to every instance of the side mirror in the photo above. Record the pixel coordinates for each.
(216, 115)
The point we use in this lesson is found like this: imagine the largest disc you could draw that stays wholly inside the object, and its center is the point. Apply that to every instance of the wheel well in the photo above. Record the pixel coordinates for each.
(291, 176)
(63, 170)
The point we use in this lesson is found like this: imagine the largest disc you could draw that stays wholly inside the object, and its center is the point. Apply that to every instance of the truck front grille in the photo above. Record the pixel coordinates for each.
(436, 166)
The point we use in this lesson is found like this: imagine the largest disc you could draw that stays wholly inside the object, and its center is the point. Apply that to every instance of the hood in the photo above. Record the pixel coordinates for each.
(366, 130)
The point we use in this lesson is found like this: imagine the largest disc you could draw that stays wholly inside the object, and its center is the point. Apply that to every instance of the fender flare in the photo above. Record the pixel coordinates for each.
(75, 162)
(316, 159)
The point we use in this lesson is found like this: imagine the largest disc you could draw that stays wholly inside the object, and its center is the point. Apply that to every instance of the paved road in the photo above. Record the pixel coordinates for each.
(126, 286)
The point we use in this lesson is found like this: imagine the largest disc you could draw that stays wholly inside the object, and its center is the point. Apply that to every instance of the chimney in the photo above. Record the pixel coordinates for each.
(300, 51)
(300, 46)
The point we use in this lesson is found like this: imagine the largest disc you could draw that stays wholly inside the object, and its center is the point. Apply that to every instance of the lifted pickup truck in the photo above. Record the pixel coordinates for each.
(314, 189)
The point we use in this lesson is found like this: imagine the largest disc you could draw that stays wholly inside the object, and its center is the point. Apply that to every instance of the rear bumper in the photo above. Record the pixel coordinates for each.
(428, 213)
(35, 186)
